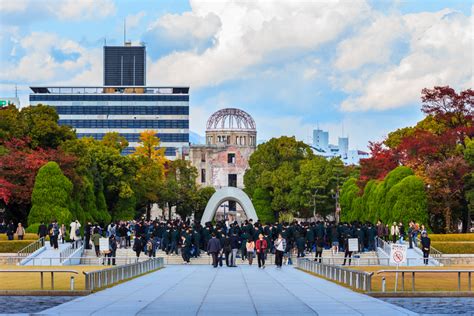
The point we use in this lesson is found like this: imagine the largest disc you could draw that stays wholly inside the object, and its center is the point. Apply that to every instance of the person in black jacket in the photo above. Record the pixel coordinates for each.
(214, 247)
(227, 250)
(425, 247)
(87, 234)
(112, 250)
(42, 230)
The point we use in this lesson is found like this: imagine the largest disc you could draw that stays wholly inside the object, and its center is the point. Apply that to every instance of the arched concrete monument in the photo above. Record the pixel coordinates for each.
(228, 194)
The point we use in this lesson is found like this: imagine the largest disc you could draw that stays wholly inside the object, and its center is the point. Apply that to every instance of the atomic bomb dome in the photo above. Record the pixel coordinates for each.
(231, 127)
(231, 119)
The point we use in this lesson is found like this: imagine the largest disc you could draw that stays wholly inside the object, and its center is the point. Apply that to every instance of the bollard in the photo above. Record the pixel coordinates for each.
(383, 284)
(72, 283)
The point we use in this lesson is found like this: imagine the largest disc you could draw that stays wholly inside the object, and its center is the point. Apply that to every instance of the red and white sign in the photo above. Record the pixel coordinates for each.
(398, 254)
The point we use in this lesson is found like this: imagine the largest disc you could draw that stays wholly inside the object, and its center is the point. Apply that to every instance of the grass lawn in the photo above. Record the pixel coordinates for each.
(8, 246)
(428, 282)
(31, 281)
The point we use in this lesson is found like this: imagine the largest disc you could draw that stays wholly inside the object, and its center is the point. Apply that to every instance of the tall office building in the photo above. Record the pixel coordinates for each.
(320, 139)
(124, 65)
(94, 111)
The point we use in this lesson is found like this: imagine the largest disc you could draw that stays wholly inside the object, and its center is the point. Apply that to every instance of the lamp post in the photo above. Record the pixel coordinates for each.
(337, 210)
(314, 202)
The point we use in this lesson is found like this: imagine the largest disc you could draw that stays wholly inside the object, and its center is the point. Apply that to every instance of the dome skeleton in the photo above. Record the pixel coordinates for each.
(231, 119)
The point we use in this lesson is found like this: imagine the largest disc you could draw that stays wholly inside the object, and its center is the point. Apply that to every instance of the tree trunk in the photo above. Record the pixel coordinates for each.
(447, 214)
(148, 211)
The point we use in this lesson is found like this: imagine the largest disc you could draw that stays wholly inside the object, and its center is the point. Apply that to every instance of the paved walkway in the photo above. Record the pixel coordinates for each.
(203, 290)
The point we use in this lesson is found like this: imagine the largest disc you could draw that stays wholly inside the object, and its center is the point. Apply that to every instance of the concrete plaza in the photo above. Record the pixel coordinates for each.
(203, 290)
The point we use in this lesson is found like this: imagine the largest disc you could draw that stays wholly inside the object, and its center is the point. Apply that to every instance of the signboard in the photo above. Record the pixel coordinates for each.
(398, 254)
(353, 244)
(104, 245)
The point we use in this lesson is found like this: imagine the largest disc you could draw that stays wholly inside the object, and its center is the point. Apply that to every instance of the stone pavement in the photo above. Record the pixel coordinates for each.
(203, 290)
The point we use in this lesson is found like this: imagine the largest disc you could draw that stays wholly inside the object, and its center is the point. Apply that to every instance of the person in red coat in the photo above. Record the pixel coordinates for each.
(261, 245)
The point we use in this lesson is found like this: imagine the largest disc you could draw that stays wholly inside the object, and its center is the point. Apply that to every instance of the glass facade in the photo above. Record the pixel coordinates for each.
(150, 124)
(165, 110)
(122, 110)
(124, 65)
(135, 137)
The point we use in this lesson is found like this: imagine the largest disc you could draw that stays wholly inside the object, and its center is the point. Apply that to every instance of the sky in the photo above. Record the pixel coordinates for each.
(354, 68)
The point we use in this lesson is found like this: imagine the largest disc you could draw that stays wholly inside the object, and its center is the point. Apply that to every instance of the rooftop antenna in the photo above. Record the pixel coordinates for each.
(124, 31)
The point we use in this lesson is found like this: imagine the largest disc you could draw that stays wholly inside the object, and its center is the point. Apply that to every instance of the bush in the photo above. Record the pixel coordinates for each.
(26, 237)
(8, 246)
(51, 197)
(454, 247)
(452, 237)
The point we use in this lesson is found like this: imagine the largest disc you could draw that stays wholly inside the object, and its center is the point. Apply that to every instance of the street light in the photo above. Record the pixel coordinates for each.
(337, 210)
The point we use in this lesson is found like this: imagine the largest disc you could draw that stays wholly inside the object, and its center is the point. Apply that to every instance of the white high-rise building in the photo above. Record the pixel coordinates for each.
(320, 139)
(322, 147)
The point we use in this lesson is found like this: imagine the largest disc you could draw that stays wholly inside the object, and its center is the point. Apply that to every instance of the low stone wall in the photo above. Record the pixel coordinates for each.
(459, 259)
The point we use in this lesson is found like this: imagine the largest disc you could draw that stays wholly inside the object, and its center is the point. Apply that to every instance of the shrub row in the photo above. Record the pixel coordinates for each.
(28, 236)
(452, 237)
(454, 247)
(13, 245)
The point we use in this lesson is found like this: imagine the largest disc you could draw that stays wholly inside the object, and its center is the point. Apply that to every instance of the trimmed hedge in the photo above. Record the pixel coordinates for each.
(454, 247)
(13, 245)
(28, 236)
(452, 237)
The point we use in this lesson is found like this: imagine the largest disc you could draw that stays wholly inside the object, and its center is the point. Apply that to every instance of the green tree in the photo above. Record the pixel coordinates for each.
(51, 197)
(115, 140)
(349, 192)
(272, 168)
(41, 125)
(262, 202)
(409, 201)
(180, 188)
(204, 194)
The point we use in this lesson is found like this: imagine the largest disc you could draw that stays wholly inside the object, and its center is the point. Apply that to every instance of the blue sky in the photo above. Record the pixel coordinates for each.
(352, 66)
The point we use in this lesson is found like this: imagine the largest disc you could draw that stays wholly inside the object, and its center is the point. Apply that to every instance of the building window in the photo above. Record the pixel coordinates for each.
(230, 158)
(232, 180)
(203, 175)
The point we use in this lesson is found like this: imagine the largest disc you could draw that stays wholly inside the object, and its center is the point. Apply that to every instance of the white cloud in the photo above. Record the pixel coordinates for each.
(39, 65)
(83, 9)
(372, 44)
(133, 20)
(440, 53)
(13, 5)
(250, 33)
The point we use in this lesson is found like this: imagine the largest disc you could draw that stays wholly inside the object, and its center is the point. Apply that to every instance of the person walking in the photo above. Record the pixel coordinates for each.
(234, 245)
(62, 233)
(87, 235)
(11, 230)
(20, 231)
(227, 251)
(75, 232)
(214, 247)
(42, 230)
(138, 245)
(54, 234)
(319, 249)
(250, 249)
(112, 250)
(394, 232)
(425, 247)
(261, 245)
(280, 246)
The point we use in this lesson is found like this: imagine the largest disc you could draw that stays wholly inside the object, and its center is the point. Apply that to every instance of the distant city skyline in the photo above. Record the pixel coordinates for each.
(364, 67)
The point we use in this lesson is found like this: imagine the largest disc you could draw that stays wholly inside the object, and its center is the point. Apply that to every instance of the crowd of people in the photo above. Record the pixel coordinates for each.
(226, 242)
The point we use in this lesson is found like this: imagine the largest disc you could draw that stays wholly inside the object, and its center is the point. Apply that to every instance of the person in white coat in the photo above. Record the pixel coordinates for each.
(75, 233)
